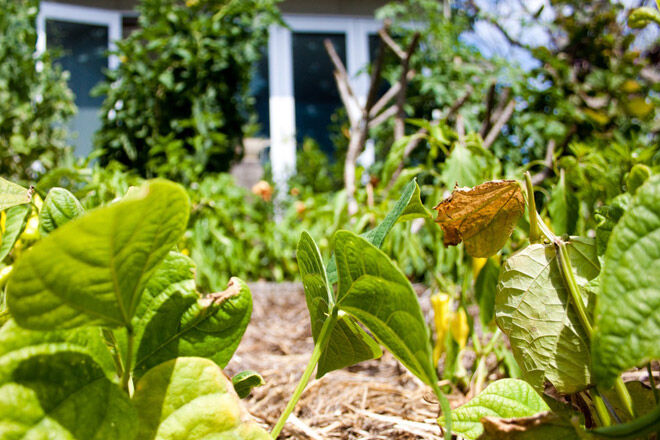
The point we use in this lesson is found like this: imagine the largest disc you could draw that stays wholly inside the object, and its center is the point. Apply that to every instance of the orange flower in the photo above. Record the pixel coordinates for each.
(263, 190)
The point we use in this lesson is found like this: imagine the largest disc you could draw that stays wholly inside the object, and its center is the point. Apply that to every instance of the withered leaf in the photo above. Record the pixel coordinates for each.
(483, 217)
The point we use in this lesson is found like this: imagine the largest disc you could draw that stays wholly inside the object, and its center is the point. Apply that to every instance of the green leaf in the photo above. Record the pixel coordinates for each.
(92, 271)
(627, 315)
(191, 399)
(485, 288)
(60, 207)
(607, 217)
(636, 177)
(348, 344)
(373, 290)
(461, 168)
(532, 307)
(12, 194)
(18, 344)
(174, 320)
(639, 428)
(642, 400)
(17, 217)
(52, 387)
(246, 380)
(409, 206)
(505, 398)
(564, 208)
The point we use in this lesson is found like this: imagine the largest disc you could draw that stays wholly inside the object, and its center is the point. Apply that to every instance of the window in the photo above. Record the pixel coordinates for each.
(81, 37)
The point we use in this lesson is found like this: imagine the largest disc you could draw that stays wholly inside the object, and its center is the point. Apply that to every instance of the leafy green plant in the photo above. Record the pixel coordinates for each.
(35, 101)
(178, 106)
(371, 290)
(106, 331)
(545, 304)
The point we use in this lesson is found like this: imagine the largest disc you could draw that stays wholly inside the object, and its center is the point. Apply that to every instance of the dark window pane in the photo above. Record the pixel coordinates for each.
(260, 90)
(82, 50)
(314, 86)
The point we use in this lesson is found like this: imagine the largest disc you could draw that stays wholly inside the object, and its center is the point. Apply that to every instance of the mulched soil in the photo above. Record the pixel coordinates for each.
(377, 399)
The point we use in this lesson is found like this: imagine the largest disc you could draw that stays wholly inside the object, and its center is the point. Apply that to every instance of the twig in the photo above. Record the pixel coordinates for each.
(305, 428)
(389, 95)
(499, 123)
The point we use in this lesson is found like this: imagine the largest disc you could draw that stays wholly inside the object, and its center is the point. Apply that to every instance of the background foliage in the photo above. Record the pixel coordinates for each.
(35, 101)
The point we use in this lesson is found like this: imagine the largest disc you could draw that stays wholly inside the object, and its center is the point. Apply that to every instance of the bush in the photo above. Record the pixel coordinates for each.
(35, 101)
(178, 104)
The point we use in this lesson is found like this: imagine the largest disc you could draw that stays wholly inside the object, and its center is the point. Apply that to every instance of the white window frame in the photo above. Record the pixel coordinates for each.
(280, 66)
(83, 15)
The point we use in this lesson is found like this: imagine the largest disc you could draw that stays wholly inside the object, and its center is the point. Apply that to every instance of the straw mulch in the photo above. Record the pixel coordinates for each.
(377, 399)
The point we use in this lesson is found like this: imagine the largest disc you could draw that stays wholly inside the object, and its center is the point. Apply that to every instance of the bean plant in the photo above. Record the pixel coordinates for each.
(105, 335)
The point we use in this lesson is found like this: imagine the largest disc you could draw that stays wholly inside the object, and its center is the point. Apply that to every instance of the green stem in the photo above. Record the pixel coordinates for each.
(320, 345)
(601, 409)
(444, 406)
(656, 394)
(624, 396)
(126, 374)
(571, 284)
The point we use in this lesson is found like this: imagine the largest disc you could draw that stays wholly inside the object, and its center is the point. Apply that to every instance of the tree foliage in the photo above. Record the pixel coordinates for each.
(178, 104)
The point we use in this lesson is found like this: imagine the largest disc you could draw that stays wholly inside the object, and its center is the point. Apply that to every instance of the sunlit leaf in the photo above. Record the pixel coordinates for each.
(627, 316)
(174, 320)
(191, 399)
(12, 194)
(483, 217)
(348, 343)
(60, 207)
(532, 307)
(17, 217)
(93, 270)
(504, 398)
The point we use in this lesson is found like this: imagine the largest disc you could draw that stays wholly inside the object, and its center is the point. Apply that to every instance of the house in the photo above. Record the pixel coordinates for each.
(294, 86)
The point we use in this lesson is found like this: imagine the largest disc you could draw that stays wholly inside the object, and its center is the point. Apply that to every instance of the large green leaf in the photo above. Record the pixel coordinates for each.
(12, 194)
(191, 399)
(532, 307)
(348, 344)
(18, 344)
(627, 316)
(17, 217)
(543, 426)
(373, 290)
(60, 207)
(462, 168)
(563, 207)
(505, 398)
(93, 270)
(409, 206)
(52, 387)
(174, 320)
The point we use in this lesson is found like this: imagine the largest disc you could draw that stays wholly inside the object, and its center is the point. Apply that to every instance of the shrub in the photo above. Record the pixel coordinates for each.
(178, 104)
(34, 98)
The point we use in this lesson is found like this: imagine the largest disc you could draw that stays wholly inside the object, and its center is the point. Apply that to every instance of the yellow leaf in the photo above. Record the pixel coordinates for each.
(598, 117)
(630, 86)
(477, 265)
(483, 217)
(639, 107)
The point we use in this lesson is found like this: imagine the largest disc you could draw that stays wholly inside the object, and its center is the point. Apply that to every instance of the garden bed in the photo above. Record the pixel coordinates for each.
(377, 399)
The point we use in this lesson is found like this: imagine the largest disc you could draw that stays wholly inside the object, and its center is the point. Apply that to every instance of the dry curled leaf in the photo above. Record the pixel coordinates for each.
(483, 217)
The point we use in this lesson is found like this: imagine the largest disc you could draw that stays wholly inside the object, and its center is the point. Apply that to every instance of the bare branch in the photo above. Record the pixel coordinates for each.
(547, 163)
(459, 102)
(384, 116)
(389, 95)
(385, 36)
(499, 123)
(399, 121)
(343, 84)
(490, 103)
(376, 77)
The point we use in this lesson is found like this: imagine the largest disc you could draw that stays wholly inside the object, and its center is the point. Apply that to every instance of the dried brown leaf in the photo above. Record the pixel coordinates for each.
(483, 217)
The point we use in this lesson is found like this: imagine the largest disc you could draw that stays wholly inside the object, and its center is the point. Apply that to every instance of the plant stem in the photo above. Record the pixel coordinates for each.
(444, 406)
(571, 284)
(320, 345)
(126, 374)
(656, 394)
(534, 232)
(601, 409)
